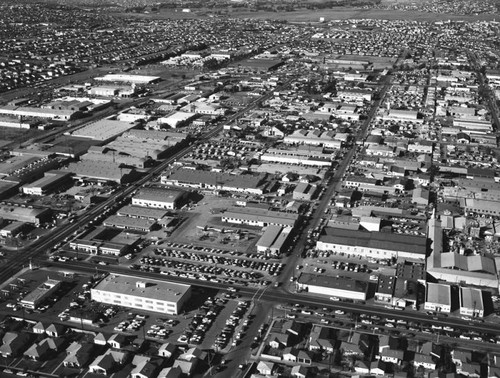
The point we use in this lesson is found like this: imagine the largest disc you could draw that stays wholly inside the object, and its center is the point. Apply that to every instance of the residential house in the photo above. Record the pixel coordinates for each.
(431, 349)
(296, 355)
(362, 367)
(389, 342)
(170, 372)
(350, 349)
(118, 341)
(143, 367)
(189, 360)
(55, 330)
(265, 367)
(40, 327)
(108, 362)
(426, 361)
(378, 367)
(39, 351)
(278, 340)
(292, 327)
(472, 370)
(186, 367)
(14, 344)
(300, 371)
(394, 356)
(493, 372)
(460, 357)
(100, 339)
(78, 355)
(167, 350)
(322, 338)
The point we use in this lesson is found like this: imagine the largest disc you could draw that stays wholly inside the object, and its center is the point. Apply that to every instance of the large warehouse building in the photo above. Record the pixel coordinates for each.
(142, 294)
(384, 245)
(134, 79)
(52, 180)
(160, 198)
(25, 214)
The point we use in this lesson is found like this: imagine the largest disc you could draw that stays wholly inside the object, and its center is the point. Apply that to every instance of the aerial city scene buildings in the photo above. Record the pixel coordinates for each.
(249, 188)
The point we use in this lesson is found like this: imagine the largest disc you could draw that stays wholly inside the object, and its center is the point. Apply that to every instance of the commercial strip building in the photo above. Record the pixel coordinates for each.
(304, 191)
(471, 302)
(103, 241)
(381, 245)
(36, 297)
(142, 213)
(128, 223)
(142, 294)
(314, 138)
(259, 217)
(438, 297)
(301, 155)
(336, 287)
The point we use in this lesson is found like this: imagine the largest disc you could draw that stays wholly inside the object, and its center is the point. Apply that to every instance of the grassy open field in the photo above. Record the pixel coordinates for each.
(307, 15)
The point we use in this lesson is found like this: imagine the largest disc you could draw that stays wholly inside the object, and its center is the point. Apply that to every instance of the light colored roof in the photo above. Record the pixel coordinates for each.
(158, 194)
(269, 236)
(476, 263)
(155, 289)
(103, 129)
(104, 170)
(129, 222)
(256, 214)
(128, 78)
(438, 293)
(335, 282)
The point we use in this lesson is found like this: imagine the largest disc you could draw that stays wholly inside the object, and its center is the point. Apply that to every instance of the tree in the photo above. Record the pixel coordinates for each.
(211, 64)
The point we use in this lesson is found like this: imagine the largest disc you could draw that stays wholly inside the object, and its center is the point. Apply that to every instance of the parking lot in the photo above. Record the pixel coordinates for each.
(208, 264)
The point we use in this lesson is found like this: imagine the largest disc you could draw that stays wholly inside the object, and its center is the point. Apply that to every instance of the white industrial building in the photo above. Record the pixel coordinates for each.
(337, 287)
(22, 111)
(134, 79)
(253, 216)
(158, 198)
(142, 294)
(381, 245)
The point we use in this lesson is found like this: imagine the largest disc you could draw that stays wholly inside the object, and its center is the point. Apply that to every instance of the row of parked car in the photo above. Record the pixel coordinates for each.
(223, 338)
(201, 323)
(271, 268)
(193, 271)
